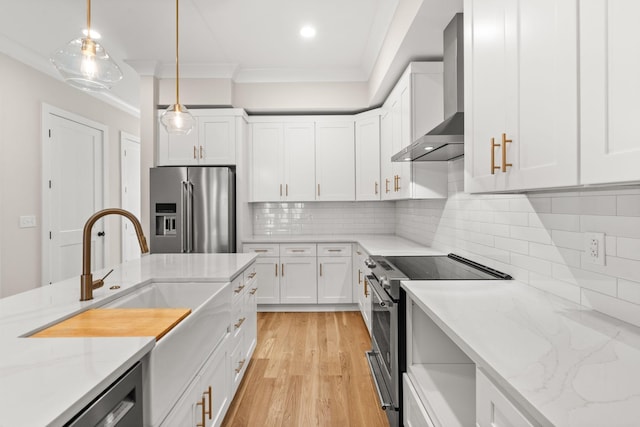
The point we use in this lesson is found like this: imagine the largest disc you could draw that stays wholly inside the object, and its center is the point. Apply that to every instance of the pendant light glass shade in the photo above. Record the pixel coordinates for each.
(176, 118)
(85, 64)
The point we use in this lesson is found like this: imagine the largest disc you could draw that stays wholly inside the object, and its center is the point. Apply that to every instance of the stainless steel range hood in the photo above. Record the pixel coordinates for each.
(445, 141)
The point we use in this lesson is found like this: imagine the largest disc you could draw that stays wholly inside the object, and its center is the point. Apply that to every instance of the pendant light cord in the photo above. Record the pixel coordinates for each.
(177, 68)
(89, 19)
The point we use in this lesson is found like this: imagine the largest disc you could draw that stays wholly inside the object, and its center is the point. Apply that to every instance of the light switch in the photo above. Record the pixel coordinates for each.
(27, 221)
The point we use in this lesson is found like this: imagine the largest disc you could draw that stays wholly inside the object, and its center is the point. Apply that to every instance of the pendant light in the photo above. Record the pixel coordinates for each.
(176, 118)
(83, 62)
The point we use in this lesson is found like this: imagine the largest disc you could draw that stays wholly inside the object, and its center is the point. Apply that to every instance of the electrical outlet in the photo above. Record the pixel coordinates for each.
(594, 247)
(27, 221)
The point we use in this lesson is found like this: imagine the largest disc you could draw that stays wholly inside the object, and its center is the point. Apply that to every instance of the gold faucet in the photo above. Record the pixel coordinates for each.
(87, 284)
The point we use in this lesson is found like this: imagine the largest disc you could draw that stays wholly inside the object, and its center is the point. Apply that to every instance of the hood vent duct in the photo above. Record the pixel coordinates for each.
(445, 141)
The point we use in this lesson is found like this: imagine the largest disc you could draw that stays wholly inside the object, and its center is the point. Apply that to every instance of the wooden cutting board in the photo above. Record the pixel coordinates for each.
(118, 322)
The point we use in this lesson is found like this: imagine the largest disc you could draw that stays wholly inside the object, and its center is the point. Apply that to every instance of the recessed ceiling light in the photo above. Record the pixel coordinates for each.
(428, 148)
(94, 34)
(308, 32)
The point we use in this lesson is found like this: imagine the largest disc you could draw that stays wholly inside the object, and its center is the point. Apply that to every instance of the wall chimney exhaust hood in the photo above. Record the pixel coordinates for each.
(445, 141)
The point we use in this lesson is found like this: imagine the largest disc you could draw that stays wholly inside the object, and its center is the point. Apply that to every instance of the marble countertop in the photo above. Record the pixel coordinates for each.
(374, 244)
(59, 376)
(565, 364)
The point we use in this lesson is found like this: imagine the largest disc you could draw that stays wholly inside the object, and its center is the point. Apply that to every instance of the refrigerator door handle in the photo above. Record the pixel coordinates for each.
(190, 220)
(184, 244)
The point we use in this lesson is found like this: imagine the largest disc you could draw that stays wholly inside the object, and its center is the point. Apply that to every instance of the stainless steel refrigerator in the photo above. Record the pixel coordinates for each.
(193, 209)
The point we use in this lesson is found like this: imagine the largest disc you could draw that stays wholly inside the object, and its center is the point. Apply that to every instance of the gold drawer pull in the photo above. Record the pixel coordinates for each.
(194, 152)
(297, 250)
(253, 291)
(366, 287)
(286, 190)
(282, 270)
(320, 269)
(493, 156)
(376, 188)
(386, 185)
(260, 251)
(505, 141)
(276, 264)
(238, 289)
(208, 392)
(240, 322)
(201, 152)
(318, 189)
(201, 403)
(334, 250)
(252, 275)
(280, 190)
(240, 365)
(359, 276)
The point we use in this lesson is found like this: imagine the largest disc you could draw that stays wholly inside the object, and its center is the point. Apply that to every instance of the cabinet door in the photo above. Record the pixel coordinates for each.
(186, 411)
(251, 322)
(267, 269)
(267, 162)
(178, 149)
(298, 283)
(335, 161)
(334, 280)
(368, 158)
(386, 151)
(299, 162)
(493, 408)
(609, 92)
(217, 140)
(403, 137)
(215, 388)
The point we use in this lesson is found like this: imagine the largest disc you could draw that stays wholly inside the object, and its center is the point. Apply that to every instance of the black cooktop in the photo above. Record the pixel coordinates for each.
(451, 267)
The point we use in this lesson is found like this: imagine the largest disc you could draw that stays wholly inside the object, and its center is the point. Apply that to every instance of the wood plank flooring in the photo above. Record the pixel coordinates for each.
(308, 369)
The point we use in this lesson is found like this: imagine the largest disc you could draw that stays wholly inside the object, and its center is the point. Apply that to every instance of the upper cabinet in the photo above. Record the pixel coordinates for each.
(609, 91)
(335, 160)
(414, 107)
(211, 142)
(521, 94)
(368, 156)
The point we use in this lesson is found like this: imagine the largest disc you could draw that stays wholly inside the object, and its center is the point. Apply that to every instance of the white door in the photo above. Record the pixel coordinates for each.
(299, 161)
(73, 167)
(267, 271)
(368, 158)
(266, 162)
(334, 280)
(298, 280)
(386, 151)
(335, 161)
(217, 140)
(130, 170)
(180, 150)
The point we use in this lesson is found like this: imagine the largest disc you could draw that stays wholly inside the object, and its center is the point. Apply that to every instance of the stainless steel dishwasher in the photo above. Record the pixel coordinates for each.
(119, 405)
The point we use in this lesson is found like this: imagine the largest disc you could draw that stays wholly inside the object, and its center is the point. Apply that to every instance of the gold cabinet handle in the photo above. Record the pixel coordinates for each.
(276, 264)
(253, 291)
(286, 190)
(260, 251)
(359, 276)
(505, 141)
(398, 182)
(366, 287)
(386, 185)
(238, 289)
(280, 190)
(297, 250)
(201, 151)
(493, 156)
(239, 322)
(320, 269)
(240, 365)
(208, 392)
(201, 403)
(375, 191)
(252, 275)
(282, 270)
(194, 152)
(318, 189)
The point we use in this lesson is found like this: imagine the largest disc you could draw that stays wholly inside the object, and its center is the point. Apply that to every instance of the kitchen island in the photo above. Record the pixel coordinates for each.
(45, 381)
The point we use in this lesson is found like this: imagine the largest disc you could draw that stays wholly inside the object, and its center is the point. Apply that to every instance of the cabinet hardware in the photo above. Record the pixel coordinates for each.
(201, 152)
(286, 190)
(395, 183)
(505, 141)
(493, 156)
(366, 287)
(240, 365)
(253, 291)
(386, 185)
(297, 250)
(282, 270)
(194, 152)
(320, 269)
(238, 289)
(280, 190)
(359, 253)
(398, 182)
(208, 392)
(276, 264)
(252, 275)
(318, 189)
(359, 276)
(240, 322)
(201, 403)
(376, 188)
(334, 250)
(260, 250)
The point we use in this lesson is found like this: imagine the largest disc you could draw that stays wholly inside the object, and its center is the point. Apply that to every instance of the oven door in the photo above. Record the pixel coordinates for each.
(383, 358)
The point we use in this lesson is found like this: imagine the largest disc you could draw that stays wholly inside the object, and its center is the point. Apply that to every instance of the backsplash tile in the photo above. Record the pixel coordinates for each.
(544, 239)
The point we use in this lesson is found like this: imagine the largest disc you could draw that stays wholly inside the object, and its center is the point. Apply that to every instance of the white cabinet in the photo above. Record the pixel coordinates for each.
(414, 414)
(609, 91)
(414, 107)
(267, 268)
(298, 284)
(521, 100)
(214, 390)
(283, 161)
(495, 409)
(212, 141)
(335, 160)
(334, 274)
(368, 156)
(361, 293)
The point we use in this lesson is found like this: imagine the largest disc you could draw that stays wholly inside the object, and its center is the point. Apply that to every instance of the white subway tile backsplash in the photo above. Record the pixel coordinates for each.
(629, 205)
(532, 264)
(551, 285)
(529, 234)
(512, 245)
(555, 254)
(585, 279)
(614, 307)
(615, 225)
(568, 239)
(628, 248)
(555, 221)
(629, 291)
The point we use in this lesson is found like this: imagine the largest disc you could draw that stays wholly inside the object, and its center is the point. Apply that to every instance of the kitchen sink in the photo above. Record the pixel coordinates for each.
(176, 358)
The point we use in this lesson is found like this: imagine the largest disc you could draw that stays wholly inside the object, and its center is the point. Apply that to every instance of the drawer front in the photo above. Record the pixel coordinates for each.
(414, 414)
(338, 249)
(262, 249)
(249, 275)
(238, 287)
(495, 409)
(298, 249)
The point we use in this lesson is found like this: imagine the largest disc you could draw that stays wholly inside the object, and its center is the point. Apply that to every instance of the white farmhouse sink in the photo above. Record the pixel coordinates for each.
(176, 358)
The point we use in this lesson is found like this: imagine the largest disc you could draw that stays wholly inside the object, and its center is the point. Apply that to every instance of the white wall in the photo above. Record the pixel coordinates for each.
(539, 238)
(23, 91)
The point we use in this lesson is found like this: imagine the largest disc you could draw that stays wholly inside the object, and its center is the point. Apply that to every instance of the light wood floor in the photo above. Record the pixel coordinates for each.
(308, 369)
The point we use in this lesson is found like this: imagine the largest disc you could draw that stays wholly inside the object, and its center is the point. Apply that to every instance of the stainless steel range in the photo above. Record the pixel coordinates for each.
(387, 359)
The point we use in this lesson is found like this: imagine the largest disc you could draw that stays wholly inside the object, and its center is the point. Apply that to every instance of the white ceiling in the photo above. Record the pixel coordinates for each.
(246, 40)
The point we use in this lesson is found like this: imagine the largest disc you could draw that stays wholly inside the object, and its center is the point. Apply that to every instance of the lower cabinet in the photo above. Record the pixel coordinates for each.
(414, 414)
(361, 292)
(334, 274)
(298, 280)
(493, 408)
